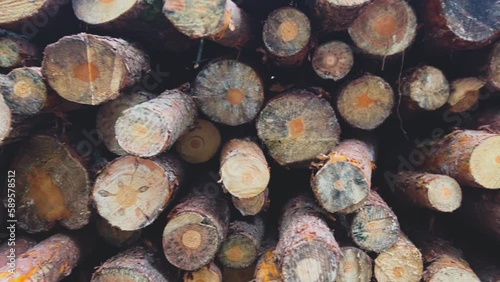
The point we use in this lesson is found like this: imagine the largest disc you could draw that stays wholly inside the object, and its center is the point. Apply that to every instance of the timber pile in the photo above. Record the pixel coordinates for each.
(250, 140)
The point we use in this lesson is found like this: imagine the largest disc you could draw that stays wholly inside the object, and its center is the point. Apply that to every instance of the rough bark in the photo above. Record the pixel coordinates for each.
(286, 35)
(431, 191)
(131, 192)
(200, 143)
(196, 229)
(208, 273)
(92, 69)
(307, 250)
(384, 28)
(341, 180)
(20, 245)
(424, 89)
(154, 126)
(17, 51)
(332, 60)
(354, 266)
(464, 94)
(114, 236)
(267, 268)
(20, 15)
(366, 102)
(254, 205)
(470, 157)
(297, 126)
(335, 15)
(229, 92)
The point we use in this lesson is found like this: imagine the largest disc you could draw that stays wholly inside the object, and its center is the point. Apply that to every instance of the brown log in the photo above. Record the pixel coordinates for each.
(5, 119)
(354, 266)
(114, 236)
(431, 191)
(19, 14)
(494, 67)
(464, 94)
(384, 28)
(200, 143)
(471, 157)
(142, 20)
(401, 262)
(488, 119)
(424, 89)
(267, 268)
(243, 169)
(482, 211)
(136, 264)
(208, 273)
(332, 60)
(461, 25)
(131, 192)
(221, 21)
(254, 205)
(92, 69)
(366, 102)
(374, 226)
(12, 249)
(109, 113)
(229, 92)
(52, 185)
(307, 250)
(49, 261)
(297, 126)
(242, 245)
(287, 32)
(17, 50)
(335, 15)
(341, 180)
(196, 229)
(152, 127)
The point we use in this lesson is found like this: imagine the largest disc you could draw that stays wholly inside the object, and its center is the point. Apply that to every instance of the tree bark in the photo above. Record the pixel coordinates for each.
(20, 245)
(208, 273)
(17, 51)
(92, 69)
(464, 94)
(354, 266)
(332, 60)
(153, 127)
(200, 143)
(494, 67)
(297, 126)
(424, 89)
(335, 15)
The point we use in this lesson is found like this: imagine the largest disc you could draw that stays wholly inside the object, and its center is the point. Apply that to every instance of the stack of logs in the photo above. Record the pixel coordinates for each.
(295, 128)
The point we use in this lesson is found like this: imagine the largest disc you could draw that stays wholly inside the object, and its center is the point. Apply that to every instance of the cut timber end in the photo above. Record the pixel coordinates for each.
(384, 28)
(17, 51)
(229, 92)
(25, 91)
(366, 102)
(91, 69)
(19, 13)
(485, 163)
(425, 89)
(5, 119)
(464, 94)
(243, 169)
(267, 269)
(131, 192)
(153, 127)
(335, 15)
(242, 245)
(200, 143)
(298, 126)
(208, 273)
(354, 266)
(252, 206)
(286, 36)
(102, 11)
(333, 60)
(494, 67)
(402, 262)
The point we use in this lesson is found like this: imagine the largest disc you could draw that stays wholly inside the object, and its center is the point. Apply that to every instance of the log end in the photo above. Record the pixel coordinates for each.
(485, 163)
(464, 94)
(100, 12)
(25, 91)
(200, 143)
(355, 265)
(238, 251)
(333, 60)
(425, 88)
(375, 228)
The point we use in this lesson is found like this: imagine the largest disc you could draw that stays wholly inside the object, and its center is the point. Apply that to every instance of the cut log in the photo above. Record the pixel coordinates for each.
(200, 143)
(464, 94)
(5, 119)
(374, 227)
(488, 119)
(229, 92)
(494, 67)
(252, 206)
(342, 179)
(238, 275)
(287, 32)
(482, 211)
(297, 126)
(20, 245)
(91, 69)
(335, 15)
(401, 262)
(242, 245)
(208, 273)
(114, 236)
(307, 250)
(243, 169)
(424, 89)
(52, 185)
(267, 268)
(154, 126)
(17, 50)
(366, 102)
(109, 113)
(196, 229)
(431, 191)
(451, 25)
(136, 264)
(384, 28)
(221, 20)
(332, 60)
(471, 157)
(20, 14)
(354, 266)
(131, 192)
(25, 91)
(51, 260)
(141, 20)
